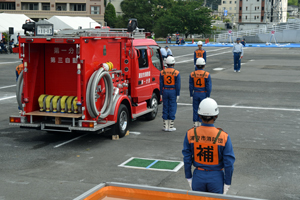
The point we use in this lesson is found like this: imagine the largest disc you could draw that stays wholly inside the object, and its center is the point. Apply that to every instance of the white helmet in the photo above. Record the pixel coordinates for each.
(170, 60)
(208, 107)
(200, 61)
(200, 43)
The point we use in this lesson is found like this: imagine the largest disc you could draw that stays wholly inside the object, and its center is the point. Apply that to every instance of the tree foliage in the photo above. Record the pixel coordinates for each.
(168, 16)
(110, 15)
(293, 2)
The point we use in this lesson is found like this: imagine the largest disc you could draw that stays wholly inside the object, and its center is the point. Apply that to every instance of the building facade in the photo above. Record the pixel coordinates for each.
(45, 9)
(117, 5)
(230, 8)
(262, 11)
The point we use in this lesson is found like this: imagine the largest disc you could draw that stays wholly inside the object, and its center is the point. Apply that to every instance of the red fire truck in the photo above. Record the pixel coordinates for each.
(87, 80)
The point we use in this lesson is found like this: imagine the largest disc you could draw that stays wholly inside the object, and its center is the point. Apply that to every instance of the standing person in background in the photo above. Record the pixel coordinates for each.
(210, 150)
(182, 42)
(18, 38)
(169, 39)
(238, 53)
(243, 42)
(200, 88)
(169, 93)
(199, 53)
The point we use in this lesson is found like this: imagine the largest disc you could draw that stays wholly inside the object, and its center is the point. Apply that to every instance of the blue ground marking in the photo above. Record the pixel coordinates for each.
(151, 164)
(263, 45)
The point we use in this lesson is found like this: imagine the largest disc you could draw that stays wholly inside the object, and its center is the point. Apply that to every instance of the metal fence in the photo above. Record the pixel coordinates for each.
(253, 32)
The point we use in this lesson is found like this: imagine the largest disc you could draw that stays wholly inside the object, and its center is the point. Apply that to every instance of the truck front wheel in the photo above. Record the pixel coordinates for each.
(121, 127)
(153, 103)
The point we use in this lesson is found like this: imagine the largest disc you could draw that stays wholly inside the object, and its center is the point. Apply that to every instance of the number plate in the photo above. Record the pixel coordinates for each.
(44, 30)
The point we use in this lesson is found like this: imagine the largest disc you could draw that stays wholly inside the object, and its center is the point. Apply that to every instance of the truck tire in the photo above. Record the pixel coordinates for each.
(153, 103)
(121, 127)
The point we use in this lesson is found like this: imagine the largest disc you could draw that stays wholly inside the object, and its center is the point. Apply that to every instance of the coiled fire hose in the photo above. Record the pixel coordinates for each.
(19, 90)
(92, 89)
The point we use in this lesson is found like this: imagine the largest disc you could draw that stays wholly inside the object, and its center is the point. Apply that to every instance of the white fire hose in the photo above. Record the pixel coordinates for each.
(92, 96)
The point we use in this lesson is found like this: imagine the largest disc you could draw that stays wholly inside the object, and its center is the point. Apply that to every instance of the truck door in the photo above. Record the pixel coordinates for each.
(143, 88)
(156, 65)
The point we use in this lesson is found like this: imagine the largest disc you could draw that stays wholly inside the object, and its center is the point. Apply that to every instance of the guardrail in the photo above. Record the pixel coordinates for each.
(253, 32)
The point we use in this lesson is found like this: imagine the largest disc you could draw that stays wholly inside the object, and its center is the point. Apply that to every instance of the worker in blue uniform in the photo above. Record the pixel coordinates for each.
(210, 150)
(200, 87)
(169, 93)
(199, 53)
(238, 54)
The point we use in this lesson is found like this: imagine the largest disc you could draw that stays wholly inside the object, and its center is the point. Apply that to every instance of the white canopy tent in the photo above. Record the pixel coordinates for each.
(66, 22)
(12, 20)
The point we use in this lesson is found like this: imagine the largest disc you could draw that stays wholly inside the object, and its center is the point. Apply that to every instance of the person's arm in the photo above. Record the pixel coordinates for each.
(233, 49)
(178, 84)
(228, 159)
(242, 51)
(187, 158)
(195, 59)
(191, 86)
(208, 86)
(204, 56)
(161, 84)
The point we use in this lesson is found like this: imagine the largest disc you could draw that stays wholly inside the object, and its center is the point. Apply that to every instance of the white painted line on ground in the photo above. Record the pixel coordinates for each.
(248, 107)
(7, 86)
(135, 133)
(7, 98)
(218, 69)
(59, 145)
(2, 63)
(206, 51)
(184, 61)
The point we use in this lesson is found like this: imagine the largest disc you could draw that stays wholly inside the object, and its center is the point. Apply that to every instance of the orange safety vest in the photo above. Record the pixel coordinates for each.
(19, 68)
(199, 77)
(169, 76)
(199, 53)
(206, 141)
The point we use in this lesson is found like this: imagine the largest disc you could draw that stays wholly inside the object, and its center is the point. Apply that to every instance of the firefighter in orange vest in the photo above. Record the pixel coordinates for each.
(200, 87)
(199, 53)
(210, 150)
(169, 93)
(19, 69)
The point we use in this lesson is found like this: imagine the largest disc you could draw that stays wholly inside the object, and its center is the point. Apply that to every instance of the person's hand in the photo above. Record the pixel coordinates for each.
(189, 180)
(161, 97)
(192, 99)
(177, 99)
(226, 188)
(241, 57)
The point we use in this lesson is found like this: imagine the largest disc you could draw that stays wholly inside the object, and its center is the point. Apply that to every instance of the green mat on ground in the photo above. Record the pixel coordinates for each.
(165, 165)
(136, 162)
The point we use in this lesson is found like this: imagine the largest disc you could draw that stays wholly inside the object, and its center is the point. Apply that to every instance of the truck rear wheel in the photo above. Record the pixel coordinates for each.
(153, 103)
(121, 127)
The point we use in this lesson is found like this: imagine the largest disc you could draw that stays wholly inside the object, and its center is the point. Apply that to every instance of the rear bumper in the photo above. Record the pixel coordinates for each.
(62, 127)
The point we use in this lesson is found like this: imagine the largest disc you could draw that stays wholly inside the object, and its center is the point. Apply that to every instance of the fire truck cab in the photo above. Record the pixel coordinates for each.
(88, 80)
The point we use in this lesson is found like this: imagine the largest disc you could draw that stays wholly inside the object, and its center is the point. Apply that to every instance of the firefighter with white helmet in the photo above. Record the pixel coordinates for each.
(169, 92)
(210, 150)
(199, 53)
(200, 87)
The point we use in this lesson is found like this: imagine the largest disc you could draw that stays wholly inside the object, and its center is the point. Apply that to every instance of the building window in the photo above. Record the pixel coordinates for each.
(7, 6)
(224, 2)
(262, 18)
(254, 17)
(45, 6)
(61, 7)
(240, 8)
(95, 10)
(235, 2)
(240, 17)
(234, 8)
(230, 2)
(77, 7)
(246, 7)
(230, 8)
(257, 0)
(30, 6)
(262, 8)
(246, 17)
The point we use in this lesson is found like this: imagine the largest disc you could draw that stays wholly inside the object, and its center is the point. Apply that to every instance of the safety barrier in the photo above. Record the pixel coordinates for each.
(63, 104)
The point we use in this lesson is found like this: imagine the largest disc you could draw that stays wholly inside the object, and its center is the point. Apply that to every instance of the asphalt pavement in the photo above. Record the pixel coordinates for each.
(259, 109)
